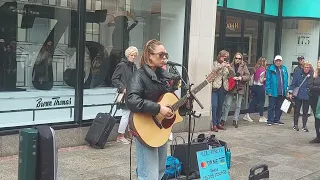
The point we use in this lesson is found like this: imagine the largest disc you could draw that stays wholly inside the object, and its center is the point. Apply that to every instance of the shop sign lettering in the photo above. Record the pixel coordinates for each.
(55, 101)
(232, 26)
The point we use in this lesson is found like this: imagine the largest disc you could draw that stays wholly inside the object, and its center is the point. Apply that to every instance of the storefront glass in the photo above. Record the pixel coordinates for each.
(233, 35)
(299, 38)
(250, 39)
(38, 49)
(269, 35)
(35, 53)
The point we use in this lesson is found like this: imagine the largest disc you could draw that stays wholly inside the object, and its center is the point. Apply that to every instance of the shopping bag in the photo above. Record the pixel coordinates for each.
(318, 109)
(286, 106)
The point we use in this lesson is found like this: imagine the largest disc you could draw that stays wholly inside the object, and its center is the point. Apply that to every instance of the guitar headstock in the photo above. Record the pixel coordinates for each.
(210, 77)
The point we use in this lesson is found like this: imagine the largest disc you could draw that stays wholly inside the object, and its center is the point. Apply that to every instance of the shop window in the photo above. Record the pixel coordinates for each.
(250, 39)
(128, 23)
(35, 55)
(299, 38)
(233, 36)
(269, 37)
(38, 53)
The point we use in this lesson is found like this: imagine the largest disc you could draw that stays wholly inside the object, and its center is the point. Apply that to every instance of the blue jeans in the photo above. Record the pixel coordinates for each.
(274, 111)
(151, 162)
(217, 100)
(227, 105)
(258, 99)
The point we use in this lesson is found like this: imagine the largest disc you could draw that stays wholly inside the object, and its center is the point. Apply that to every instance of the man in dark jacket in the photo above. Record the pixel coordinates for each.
(120, 79)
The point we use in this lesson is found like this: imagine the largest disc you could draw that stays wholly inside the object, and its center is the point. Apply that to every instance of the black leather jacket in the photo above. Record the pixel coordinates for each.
(314, 86)
(145, 88)
(122, 74)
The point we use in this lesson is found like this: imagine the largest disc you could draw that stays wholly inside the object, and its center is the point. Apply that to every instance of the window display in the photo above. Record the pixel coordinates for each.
(38, 53)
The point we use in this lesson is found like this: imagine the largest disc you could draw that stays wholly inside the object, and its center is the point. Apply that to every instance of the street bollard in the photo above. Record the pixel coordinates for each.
(28, 141)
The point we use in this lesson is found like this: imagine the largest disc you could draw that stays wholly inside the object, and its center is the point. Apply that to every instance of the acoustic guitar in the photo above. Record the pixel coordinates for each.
(154, 131)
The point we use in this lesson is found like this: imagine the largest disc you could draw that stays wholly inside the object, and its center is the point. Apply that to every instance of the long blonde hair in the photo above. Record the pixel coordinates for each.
(317, 70)
(234, 58)
(262, 62)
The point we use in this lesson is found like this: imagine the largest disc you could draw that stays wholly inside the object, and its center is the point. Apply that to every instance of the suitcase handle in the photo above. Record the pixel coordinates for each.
(115, 104)
(261, 175)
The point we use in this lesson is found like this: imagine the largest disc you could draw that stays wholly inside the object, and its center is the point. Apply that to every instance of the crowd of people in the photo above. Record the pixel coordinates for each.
(271, 81)
(145, 85)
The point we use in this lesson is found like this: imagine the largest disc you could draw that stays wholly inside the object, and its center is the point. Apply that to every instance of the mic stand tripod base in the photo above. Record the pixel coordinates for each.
(190, 112)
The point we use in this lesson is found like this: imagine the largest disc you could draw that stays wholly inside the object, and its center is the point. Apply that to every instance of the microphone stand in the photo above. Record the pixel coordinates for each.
(190, 112)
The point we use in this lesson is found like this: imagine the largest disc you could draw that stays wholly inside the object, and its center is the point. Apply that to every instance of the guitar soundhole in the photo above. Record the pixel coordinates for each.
(167, 123)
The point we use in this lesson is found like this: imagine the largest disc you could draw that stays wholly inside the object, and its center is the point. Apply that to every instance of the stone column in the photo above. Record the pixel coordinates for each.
(201, 49)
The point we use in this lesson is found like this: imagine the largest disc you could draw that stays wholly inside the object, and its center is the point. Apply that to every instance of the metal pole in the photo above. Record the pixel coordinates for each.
(80, 62)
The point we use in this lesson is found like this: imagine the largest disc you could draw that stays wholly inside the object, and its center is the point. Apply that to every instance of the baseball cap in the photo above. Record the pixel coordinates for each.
(278, 57)
(300, 58)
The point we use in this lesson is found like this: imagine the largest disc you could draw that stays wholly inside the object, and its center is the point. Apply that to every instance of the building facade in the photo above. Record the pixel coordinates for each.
(58, 56)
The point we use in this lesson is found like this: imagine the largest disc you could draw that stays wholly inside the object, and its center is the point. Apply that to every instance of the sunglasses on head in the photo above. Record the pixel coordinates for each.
(162, 55)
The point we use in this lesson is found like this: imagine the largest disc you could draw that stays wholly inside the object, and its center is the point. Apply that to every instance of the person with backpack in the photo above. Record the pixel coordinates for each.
(299, 92)
(241, 77)
(120, 80)
(258, 90)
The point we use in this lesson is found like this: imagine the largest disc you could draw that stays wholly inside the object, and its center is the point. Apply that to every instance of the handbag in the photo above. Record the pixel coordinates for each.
(318, 110)
(120, 98)
(296, 89)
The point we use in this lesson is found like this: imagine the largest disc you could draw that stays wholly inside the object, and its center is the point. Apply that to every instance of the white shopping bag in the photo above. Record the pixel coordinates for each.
(286, 106)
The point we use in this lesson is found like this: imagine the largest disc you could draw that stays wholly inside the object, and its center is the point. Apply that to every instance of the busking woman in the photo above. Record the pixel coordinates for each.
(146, 86)
(241, 77)
(300, 85)
(314, 85)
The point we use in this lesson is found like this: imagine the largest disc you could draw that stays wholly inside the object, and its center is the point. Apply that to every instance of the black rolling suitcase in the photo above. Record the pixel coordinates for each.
(101, 128)
(47, 159)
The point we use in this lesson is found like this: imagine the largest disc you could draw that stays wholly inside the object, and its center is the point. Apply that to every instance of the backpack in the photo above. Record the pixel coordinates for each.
(173, 168)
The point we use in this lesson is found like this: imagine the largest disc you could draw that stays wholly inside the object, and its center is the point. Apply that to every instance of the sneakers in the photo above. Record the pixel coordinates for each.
(123, 140)
(263, 119)
(235, 124)
(295, 128)
(247, 118)
(305, 129)
(278, 123)
(315, 140)
(269, 123)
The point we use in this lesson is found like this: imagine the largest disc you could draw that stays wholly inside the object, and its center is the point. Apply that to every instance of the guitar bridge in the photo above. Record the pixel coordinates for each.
(156, 121)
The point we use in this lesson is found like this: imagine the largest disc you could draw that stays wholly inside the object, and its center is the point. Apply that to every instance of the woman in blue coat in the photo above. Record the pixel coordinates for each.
(300, 80)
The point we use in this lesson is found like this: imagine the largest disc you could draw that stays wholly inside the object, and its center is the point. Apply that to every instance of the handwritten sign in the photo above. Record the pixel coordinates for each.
(212, 164)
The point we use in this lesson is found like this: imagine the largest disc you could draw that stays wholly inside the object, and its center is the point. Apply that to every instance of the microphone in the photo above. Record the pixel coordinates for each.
(171, 63)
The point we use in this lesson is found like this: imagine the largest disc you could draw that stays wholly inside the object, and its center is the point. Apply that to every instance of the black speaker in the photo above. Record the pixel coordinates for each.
(179, 151)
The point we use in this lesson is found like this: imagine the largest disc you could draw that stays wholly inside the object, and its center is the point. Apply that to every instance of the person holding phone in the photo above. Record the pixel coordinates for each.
(220, 86)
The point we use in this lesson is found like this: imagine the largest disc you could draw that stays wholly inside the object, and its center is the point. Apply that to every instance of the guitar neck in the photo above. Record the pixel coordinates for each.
(184, 99)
